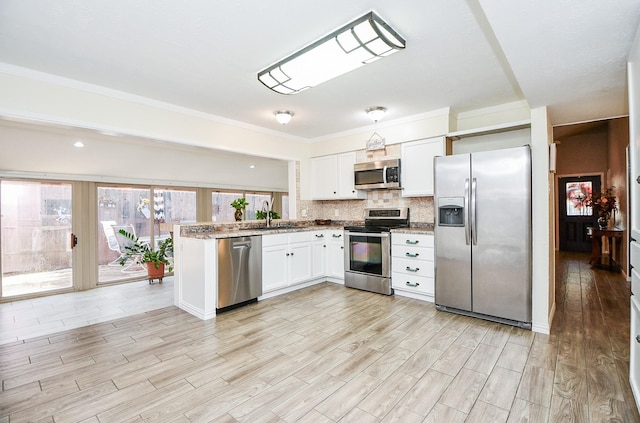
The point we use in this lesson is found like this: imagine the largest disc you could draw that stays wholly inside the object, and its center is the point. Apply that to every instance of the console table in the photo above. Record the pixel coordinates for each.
(597, 245)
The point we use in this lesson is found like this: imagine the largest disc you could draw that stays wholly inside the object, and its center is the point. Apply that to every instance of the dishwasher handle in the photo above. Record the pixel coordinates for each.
(241, 244)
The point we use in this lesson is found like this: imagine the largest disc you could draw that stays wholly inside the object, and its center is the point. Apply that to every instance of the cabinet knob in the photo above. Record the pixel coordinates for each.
(291, 253)
(412, 242)
(342, 247)
(324, 246)
(412, 284)
(410, 269)
(638, 339)
(335, 192)
(337, 236)
(411, 254)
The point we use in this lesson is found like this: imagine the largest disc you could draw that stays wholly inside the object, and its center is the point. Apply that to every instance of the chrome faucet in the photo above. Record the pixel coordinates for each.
(266, 207)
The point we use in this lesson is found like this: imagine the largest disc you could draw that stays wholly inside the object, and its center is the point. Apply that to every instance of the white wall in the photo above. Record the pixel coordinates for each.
(634, 134)
(543, 251)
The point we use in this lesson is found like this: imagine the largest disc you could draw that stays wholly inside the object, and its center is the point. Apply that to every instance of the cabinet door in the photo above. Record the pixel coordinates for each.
(274, 267)
(318, 259)
(417, 166)
(346, 179)
(335, 262)
(299, 262)
(324, 178)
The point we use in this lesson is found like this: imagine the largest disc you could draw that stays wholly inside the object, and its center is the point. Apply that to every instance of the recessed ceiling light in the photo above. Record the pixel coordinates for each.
(78, 144)
(252, 166)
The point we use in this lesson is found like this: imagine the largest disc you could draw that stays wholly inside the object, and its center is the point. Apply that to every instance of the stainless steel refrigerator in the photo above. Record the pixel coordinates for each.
(483, 235)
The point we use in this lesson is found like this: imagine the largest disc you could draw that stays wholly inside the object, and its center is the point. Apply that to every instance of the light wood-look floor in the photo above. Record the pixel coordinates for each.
(329, 353)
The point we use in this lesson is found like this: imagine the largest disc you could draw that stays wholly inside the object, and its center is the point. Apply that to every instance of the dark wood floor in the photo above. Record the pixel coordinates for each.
(329, 353)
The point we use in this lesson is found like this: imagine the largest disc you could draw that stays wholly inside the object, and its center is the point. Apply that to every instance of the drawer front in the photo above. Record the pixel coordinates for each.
(635, 282)
(411, 252)
(337, 236)
(635, 254)
(412, 267)
(417, 240)
(417, 284)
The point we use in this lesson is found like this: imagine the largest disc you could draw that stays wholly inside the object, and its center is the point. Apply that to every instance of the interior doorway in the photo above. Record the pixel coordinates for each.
(576, 217)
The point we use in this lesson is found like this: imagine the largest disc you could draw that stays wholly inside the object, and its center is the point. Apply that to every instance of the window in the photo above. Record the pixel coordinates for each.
(577, 194)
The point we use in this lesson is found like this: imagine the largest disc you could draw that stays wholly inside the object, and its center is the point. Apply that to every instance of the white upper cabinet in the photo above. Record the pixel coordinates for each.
(417, 166)
(332, 177)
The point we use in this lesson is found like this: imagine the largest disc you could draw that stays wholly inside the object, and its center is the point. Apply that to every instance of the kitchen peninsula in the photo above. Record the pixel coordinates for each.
(295, 255)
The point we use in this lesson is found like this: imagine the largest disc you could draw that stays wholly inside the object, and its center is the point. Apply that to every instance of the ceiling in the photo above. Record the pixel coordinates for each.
(463, 54)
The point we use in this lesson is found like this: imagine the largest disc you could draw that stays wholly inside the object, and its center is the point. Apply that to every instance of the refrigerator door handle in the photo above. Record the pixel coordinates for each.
(474, 230)
(467, 227)
(384, 175)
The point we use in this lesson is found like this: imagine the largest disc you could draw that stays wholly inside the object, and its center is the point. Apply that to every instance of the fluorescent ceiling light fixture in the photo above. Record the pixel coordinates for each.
(283, 116)
(358, 43)
(376, 113)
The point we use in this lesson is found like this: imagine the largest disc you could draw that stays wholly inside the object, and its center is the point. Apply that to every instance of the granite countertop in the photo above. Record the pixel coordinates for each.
(212, 230)
(231, 233)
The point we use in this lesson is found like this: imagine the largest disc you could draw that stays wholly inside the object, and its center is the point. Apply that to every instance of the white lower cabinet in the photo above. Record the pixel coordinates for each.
(328, 255)
(286, 260)
(335, 255)
(319, 259)
(412, 265)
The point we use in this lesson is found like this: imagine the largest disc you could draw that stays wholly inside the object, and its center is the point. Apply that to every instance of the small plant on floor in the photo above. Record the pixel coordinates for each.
(141, 252)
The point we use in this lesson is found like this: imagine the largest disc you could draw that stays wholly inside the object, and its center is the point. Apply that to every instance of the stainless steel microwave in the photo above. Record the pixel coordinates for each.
(381, 174)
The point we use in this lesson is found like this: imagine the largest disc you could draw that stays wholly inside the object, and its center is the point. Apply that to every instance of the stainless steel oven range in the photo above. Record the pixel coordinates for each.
(368, 256)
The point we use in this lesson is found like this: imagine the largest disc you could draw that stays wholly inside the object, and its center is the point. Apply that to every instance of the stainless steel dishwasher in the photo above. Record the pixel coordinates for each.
(239, 270)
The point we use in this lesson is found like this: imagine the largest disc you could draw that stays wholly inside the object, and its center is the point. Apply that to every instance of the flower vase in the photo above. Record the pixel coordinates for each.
(603, 222)
(238, 215)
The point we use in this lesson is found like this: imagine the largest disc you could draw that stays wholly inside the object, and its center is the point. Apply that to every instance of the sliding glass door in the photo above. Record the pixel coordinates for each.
(35, 235)
(146, 212)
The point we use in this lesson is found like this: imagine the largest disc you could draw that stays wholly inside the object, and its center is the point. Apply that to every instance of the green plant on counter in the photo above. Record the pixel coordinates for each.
(240, 203)
(263, 215)
(142, 252)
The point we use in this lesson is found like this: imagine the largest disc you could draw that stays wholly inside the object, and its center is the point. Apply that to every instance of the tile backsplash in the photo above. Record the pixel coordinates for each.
(421, 208)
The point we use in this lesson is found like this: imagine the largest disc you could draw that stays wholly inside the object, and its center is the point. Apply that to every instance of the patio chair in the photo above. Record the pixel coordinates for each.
(112, 241)
(131, 264)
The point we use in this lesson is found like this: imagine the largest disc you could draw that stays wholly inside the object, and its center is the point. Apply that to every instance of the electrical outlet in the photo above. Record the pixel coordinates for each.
(304, 212)
(337, 212)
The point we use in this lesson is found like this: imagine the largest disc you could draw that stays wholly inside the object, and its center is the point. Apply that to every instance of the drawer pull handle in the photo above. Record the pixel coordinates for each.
(320, 236)
(337, 236)
(412, 254)
(410, 269)
(638, 339)
(412, 242)
(417, 284)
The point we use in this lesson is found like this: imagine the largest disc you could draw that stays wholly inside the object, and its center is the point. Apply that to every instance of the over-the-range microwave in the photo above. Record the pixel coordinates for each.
(381, 174)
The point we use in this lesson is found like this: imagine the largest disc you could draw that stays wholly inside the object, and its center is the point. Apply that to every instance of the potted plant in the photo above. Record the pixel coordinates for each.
(263, 215)
(142, 253)
(239, 204)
